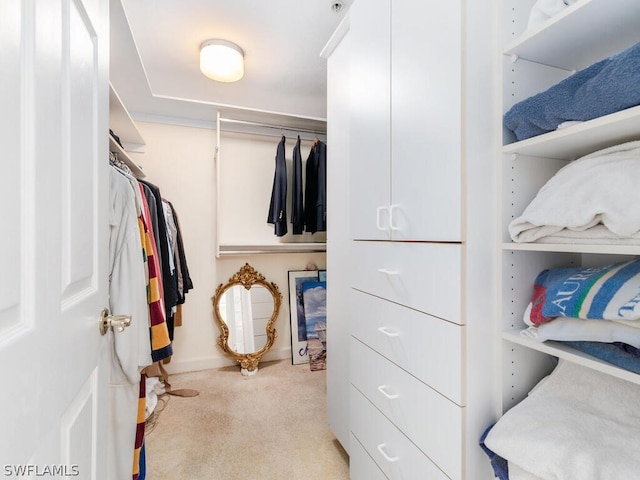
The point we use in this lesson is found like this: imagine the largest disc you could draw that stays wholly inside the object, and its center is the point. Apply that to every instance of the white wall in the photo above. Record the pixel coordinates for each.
(180, 161)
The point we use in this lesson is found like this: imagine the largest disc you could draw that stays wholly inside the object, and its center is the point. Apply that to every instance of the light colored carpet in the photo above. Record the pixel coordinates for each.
(269, 426)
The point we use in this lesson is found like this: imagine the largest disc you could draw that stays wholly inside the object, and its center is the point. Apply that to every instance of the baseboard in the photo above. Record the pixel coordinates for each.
(206, 363)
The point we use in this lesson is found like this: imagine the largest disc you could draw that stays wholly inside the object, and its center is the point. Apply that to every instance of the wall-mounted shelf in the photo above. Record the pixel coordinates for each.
(564, 41)
(124, 156)
(122, 125)
(573, 142)
(559, 350)
(611, 249)
(245, 249)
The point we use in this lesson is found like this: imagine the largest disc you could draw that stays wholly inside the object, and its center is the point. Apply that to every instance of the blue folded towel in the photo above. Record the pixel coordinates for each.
(608, 86)
(500, 465)
(610, 353)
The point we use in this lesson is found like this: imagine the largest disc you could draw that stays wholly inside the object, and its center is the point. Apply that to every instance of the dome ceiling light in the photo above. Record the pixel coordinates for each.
(221, 60)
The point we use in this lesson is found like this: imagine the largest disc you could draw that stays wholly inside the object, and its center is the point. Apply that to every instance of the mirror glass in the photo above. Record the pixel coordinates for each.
(246, 308)
(246, 313)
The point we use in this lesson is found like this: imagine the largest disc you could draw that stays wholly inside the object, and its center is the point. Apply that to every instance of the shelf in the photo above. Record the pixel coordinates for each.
(121, 123)
(122, 155)
(567, 353)
(244, 249)
(610, 249)
(581, 34)
(574, 142)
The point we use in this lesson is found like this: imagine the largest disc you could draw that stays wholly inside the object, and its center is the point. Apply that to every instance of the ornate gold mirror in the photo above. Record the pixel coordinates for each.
(246, 307)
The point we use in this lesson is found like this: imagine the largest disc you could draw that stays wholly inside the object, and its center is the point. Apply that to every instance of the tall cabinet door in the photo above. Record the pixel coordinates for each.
(406, 124)
(426, 98)
(370, 117)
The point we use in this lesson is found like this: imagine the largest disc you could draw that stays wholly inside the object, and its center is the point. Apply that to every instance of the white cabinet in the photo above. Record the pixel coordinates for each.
(582, 34)
(422, 256)
(406, 120)
(338, 53)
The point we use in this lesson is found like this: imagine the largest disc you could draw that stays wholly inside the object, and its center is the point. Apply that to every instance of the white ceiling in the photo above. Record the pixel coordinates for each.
(155, 56)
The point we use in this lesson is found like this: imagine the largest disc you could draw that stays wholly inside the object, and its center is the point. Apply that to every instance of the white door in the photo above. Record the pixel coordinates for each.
(53, 244)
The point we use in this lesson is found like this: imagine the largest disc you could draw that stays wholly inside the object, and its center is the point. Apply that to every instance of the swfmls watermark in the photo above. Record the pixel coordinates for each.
(28, 470)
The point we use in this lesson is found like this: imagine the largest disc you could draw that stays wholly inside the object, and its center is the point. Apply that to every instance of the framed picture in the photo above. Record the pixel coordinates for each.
(314, 295)
(297, 279)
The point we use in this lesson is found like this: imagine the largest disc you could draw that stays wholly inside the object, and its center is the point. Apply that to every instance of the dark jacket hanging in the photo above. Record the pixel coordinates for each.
(297, 208)
(278, 206)
(315, 194)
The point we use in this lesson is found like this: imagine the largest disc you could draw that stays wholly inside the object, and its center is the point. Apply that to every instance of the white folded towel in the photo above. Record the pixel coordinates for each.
(598, 189)
(577, 424)
(542, 10)
(579, 330)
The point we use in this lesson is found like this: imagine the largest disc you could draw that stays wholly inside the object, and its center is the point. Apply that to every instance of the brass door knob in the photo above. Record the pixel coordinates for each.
(117, 322)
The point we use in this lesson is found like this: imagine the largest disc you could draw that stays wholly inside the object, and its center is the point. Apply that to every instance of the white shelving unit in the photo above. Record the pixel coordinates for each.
(582, 34)
(122, 125)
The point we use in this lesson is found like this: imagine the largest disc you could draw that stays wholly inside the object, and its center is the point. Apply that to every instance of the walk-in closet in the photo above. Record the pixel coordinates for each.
(390, 240)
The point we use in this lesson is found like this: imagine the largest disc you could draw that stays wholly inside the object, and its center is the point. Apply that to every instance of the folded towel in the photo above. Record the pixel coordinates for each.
(607, 86)
(612, 353)
(598, 235)
(517, 473)
(599, 189)
(576, 329)
(543, 10)
(498, 463)
(611, 292)
(577, 424)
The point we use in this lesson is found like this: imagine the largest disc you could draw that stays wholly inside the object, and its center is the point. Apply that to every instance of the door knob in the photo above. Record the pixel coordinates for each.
(118, 322)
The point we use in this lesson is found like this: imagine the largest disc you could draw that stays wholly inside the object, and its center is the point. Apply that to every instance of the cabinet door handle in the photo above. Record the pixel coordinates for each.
(379, 219)
(383, 390)
(386, 271)
(382, 449)
(388, 332)
(391, 225)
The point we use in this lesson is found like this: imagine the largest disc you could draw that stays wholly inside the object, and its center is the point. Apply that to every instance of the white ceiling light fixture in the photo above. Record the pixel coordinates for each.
(221, 60)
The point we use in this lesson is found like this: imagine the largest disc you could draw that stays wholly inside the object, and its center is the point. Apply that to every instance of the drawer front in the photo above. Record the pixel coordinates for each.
(427, 347)
(424, 276)
(396, 456)
(432, 422)
(361, 465)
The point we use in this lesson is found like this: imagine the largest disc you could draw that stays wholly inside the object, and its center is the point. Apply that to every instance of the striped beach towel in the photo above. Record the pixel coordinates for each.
(611, 292)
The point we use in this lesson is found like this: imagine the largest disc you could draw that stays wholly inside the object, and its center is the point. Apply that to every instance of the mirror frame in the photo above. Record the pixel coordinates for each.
(247, 276)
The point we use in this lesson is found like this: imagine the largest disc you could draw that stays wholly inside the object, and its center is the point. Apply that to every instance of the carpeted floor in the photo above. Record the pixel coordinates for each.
(269, 426)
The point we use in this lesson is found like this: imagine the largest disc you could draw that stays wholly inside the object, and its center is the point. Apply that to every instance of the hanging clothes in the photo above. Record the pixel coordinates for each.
(161, 346)
(184, 279)
(315, 194)
(139, 454)
(169, 281)
(297, 208)
(129, 350)
(278, 206)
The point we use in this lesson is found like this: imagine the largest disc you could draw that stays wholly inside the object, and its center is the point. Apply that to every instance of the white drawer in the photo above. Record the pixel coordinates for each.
(431, 421)
(361, 465)
(424, 276)
(427, 347)
(396, 456)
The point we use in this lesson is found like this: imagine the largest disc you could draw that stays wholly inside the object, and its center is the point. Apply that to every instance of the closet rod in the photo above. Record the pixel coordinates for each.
(277, 127)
